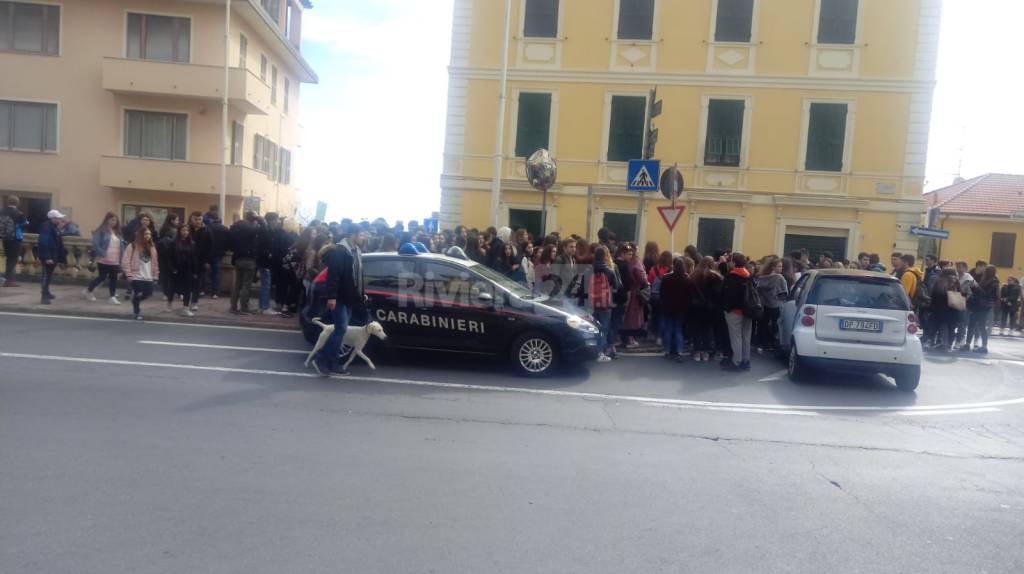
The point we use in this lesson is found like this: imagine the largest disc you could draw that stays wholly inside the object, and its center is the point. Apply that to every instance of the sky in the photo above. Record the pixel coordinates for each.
(373, 129)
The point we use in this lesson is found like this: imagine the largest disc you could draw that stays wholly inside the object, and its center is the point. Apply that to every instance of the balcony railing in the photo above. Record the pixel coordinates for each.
(181, 176)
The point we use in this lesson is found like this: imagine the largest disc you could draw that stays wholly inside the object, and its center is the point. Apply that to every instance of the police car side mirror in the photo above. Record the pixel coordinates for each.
(484, 297)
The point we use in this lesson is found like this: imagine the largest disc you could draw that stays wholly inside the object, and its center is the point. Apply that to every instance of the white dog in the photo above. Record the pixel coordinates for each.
(355, 337)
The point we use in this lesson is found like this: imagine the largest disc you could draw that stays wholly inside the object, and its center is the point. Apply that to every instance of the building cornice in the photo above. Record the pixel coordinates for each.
(697, 79)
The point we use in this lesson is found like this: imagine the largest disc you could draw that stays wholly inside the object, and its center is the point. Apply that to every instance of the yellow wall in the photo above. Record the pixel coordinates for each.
(970, 240)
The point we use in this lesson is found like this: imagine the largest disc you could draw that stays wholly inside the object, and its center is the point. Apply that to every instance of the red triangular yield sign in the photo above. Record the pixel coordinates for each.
(671, 215)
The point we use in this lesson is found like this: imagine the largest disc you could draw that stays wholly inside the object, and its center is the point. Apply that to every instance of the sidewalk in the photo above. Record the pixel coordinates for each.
(26, 299)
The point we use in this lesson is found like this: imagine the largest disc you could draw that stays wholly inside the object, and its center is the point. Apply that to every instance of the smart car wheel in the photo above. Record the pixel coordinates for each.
(797, 369)
(534, 355)
(908, 379)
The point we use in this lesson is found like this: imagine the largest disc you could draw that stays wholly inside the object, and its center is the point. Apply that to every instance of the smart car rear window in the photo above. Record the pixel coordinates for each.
(859, 292)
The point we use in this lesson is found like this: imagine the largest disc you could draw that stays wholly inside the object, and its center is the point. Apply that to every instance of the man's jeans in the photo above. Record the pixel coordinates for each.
(327, 358)
(48, 269)
(264, 288)
(215, 278)
(672, 335)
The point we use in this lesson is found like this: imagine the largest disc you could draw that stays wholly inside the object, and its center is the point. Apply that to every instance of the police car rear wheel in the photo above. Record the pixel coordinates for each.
(534, 355)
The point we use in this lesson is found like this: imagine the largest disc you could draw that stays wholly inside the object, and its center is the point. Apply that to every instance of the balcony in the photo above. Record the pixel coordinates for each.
(147, 77)
(181, 176)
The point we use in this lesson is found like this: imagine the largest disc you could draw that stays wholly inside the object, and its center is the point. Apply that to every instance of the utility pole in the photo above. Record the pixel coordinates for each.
(653, 110)
(500, 132)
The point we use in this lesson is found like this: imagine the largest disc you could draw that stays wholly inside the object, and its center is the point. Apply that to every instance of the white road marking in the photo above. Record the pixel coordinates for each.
(707, 405)
(224, 347)
(128, 319)
(776, 376)
(950, 412)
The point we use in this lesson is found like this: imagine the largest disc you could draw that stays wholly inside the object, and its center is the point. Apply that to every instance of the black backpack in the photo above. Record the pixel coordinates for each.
(752, 305)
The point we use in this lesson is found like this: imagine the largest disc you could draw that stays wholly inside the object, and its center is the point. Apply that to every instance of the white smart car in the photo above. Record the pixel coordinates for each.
(858, 321)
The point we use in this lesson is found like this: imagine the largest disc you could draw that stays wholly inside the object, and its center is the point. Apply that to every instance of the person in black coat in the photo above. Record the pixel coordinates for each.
(13, 233)
(219, 243)
(346, 299)
(50, 249)
(185, 270)
(201, 237)
(165, 259)
(678, 291)
(244, 241)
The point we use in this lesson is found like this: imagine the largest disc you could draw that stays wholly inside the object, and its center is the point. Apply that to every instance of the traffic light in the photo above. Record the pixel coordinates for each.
(654, 106)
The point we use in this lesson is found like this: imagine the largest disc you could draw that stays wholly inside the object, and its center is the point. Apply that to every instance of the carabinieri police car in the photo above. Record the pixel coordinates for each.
(439, 303)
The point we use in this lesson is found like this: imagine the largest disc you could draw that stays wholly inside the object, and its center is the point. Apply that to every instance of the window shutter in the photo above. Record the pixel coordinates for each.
(734, 20)
(534, 123)
(715, 234)
(1004, 246)
(636, 19)
(626, 128)
(541, 19)
(826, 137)
(838, 22)
(725, 132)
(257, 153)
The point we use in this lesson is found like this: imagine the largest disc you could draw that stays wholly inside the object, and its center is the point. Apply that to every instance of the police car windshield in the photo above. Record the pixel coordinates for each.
(504, 282)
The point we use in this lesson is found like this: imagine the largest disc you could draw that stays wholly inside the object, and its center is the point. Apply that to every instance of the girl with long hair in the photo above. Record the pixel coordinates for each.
(604, 282)
(651, 254)
(107, 246)
(773, 289)
(139, 265)
(708, 321)
(984, 295)
(185, 280)
(543, 282)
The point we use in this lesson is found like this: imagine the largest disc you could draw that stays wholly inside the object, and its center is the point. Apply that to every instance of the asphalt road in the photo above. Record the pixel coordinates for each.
(128, 447)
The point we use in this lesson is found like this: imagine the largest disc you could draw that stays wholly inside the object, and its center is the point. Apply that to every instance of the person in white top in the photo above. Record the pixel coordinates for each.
(140, 267)
(106, 248)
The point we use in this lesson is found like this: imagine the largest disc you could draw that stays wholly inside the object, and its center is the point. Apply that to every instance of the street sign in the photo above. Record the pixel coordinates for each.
(928, 232)
(641, 175)
(671, 215)
(321, 211)
(672, 183)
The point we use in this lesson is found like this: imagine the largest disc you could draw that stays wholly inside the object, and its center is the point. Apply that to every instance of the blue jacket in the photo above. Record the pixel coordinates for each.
(101, 242)
(51, 244)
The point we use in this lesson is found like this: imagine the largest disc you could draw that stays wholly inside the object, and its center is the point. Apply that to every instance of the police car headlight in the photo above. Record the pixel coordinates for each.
(580, 324)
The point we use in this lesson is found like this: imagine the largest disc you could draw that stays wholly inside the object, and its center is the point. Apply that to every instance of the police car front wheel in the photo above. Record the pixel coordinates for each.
(534, 355)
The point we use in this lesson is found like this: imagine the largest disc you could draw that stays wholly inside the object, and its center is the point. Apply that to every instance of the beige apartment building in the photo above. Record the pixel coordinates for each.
(116, 105)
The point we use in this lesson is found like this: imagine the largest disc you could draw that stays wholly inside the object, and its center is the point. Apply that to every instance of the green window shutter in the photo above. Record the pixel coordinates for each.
(636, 19)
(541, 19)
(1004, 247)
(626, 128)
(734, 20)
(826, 137)
(534, 123)
(725, 132)
(838, 22)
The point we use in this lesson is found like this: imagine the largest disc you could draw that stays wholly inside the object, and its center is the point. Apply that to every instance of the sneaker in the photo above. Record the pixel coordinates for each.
(268, 312)
(632, 344)
(340, 371)
(213, 296)
(169, 308)
(188, 313)
(602, 358)
(745, 365)
(114, 300)
(89, 295)
(45, 301)
(138, 317)
(236, 312)
(194, 308)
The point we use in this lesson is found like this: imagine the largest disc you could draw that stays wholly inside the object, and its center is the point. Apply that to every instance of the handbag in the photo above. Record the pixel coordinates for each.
(956, 300)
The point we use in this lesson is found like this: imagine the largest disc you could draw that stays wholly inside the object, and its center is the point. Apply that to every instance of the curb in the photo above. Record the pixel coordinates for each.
(290, 326)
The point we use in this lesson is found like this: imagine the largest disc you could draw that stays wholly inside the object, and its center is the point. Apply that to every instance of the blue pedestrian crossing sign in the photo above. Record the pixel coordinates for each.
(643, 175)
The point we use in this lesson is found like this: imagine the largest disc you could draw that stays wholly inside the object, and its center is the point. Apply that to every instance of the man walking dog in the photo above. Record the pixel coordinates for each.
(346, 299)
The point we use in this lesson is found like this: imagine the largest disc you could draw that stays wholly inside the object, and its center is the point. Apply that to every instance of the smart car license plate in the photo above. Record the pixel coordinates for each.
(860, 325)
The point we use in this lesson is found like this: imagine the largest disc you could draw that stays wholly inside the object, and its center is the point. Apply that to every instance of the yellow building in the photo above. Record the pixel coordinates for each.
(801, 123)
(985, 220)
(116, 105)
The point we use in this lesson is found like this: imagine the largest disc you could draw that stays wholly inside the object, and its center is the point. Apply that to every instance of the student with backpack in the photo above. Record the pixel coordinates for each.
(662, 266)
(12, 232)
(604, 282)
(740, 305)
(773, 290)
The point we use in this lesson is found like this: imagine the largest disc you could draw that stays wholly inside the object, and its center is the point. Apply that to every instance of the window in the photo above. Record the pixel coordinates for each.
(28, 126)
(533, 124)
(285, 175)
(237, 142)
(289, 17)
(30, 28)
(837, 22)
(826, 137)
(626, 128)
(725, 132)
(836, 243)
(273, 85)
(272, 8)
(389, 275)
(528, 219)
(155, 135)
(715, 234)
(287, 90)
(243, 51)
(263, 68)
(623, 225)
(257, 152)
(859, 293)
(636, 19)
(35, 206)
(541, 19)
(447, 284)
(163, 38)
(1004, 246)
(734, 20)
